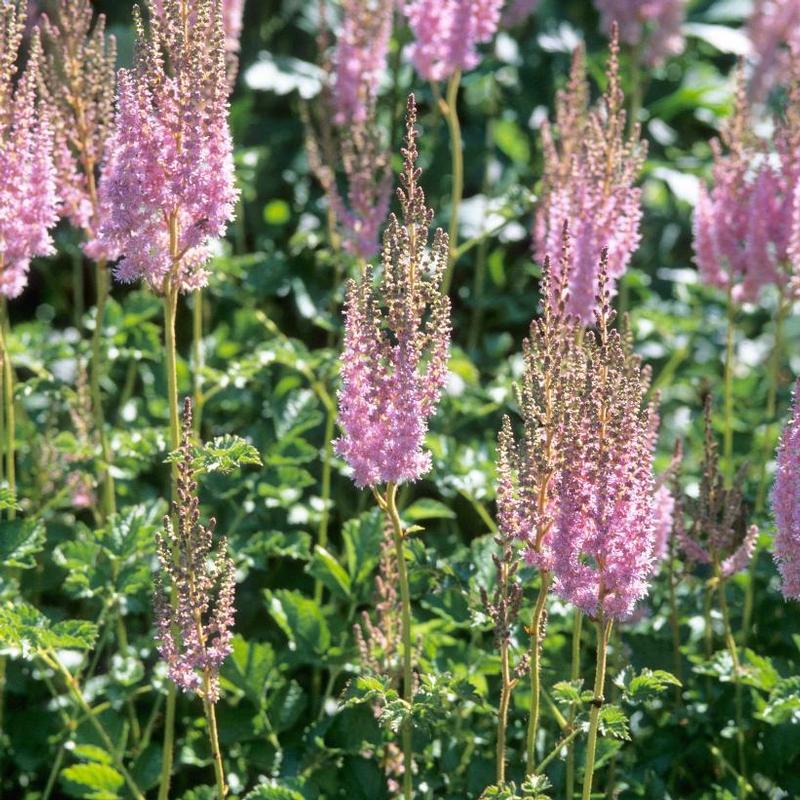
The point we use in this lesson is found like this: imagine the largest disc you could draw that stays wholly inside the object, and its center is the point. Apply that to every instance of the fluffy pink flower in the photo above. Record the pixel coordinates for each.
(360, 58)
(28, 203)
(589, 175)
(396, 346)
(168, 184)
(604, 529)
(773, 29)
(518, 11)
(786, 503)
(653, 25)
(447, 34)
(663, 510)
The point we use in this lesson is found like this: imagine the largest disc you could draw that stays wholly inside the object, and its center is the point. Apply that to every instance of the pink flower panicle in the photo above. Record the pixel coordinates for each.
(193, 635)
(447, 34)
(719, 534)
(652, 25)
(786, 503)
(589, 172)
(28, 199)
(603, 532)
(665, 506)
(742, 225)
(367, 175)
(78, 80)
(517, 11)
(360, 58)
(168, 184)
(548, 401)
(397, 339)
(774, 30)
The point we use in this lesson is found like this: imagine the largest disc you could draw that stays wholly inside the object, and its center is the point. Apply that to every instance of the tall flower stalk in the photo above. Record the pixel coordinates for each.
(78, 87)
(167, 186)
(394, 367)
(194, 634)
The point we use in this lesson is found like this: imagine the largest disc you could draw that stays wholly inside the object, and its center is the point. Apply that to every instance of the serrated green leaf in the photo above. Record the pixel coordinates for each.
(20, 541)
(273, 792)
(93, 781)
(362, 542)
(427, 508)
(644, 685)
(8, 499)
(325, 568)
(223, 454)
(568, 692)
(301, 620)
(614, 723)
(249, 668)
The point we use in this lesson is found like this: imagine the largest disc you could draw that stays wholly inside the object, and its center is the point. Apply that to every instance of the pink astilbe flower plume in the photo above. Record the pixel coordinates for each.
(786, 503)
(653, 26)
(28, 200)
(78, 82)
(360, 58)
(548, 401)
(719, 534)
(742, 225)
(193, 634)
(774, 31)
(397, 338)
(168, 184)
(447, 34)
(590, 168)
(603, 532)
(664, 507)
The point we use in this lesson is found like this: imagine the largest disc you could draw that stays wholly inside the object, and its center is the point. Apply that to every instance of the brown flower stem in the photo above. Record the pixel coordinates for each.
(535, 670)
(398, 535)
(8, 403)
(95, 371)
(603, 633)
(450, 111)
(574, 674)
(505, 695)
(213, 738)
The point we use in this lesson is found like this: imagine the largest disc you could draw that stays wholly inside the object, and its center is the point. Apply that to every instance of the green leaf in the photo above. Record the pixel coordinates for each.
(783, 704)
(362, 543)
(367, 689)
(20, 541)
(25, 628)
(302, 622)
(614, 723)
(249, 668)
(273, 791)
(223, 454)
(325, 568)
(94, 781)
(8, 499)
(427, 508)
(568, 692)
(647, 684)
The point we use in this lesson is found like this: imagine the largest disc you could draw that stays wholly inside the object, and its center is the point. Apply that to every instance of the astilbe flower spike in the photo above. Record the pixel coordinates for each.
(78, 81)
(28, 199)
(447, 34)
(719, 534)
(590, 168)
(652, 26)
(742, 225)
(397, 338)
(603, 533)
(786, 503)
(168, 184)
(193, 634)
(774, 31)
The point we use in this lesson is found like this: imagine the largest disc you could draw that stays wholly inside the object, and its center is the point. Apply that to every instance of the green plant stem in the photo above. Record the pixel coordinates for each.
(729, 353)
(574, 674)
(95, 371)
(603, 632)
(52, 660)
(198, 360)
(565, 741)
(398, 534)
(536, 634)
(327, 468)
(8, 403)
(505, 697)
(450, 109)
(213, 738)
(674, 621)
(737, 683)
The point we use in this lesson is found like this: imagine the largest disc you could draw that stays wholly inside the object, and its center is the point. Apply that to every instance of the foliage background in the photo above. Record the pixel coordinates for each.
(273, 326)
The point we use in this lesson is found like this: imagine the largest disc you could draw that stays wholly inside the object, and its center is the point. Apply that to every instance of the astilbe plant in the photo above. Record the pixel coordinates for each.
(528, 467)
(590, 167)
(773, 28)
(653, 27)
(786, 503)
(194, 631)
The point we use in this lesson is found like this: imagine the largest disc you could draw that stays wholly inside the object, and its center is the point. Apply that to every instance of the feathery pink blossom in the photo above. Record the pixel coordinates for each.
(360, 58)
(652, 25)
(168, 185)
(786, 503)
(589, 173)
(603, 532)
(518, 11)
(396, 346)
(447, 34)
(774, 30)
(194, 636)
(28, 201)
(742, 224)
(663, 510)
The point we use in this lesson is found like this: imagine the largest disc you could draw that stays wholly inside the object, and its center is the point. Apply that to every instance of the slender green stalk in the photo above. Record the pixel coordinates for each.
(565, 741)
(505, 693)
(398, 535)
(457, 155)
(198, 360)
(674, 621)
(213, 738)
(729, 353)
(574, 674)
(536, 633)
(603, 632)
(327, 467)
(8, 403)
(95, 371)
